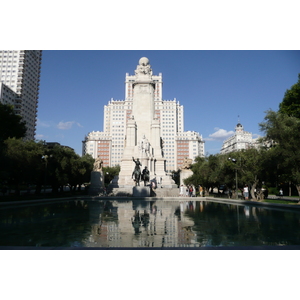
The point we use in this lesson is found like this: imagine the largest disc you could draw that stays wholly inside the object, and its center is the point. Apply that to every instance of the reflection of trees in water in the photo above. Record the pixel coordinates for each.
(42, 224)
(227, 224)
(109, 212)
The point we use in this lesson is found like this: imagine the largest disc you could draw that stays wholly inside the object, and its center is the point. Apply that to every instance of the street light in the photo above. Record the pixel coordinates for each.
(236, 180)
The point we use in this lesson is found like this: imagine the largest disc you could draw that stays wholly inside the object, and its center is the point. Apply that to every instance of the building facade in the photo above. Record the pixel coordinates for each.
(20, 72)
(239, 141)
(168, 113)
(9, 97)
(188, 144)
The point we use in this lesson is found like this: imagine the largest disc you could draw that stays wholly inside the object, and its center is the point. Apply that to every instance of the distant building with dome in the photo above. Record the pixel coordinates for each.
(239, 141)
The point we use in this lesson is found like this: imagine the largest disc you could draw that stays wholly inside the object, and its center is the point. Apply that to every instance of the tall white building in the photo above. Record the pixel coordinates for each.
(9, 97)
(169, 114)
(240, 140)
(20, 72)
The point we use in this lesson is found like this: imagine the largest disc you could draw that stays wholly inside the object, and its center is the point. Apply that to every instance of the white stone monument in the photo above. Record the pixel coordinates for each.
(143, 139)
(186, 171)
(97, 178)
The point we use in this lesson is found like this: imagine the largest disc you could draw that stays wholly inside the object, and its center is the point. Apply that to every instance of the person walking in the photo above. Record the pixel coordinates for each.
(191, 191)
(200, 191)
(181, 191)
(246, 192)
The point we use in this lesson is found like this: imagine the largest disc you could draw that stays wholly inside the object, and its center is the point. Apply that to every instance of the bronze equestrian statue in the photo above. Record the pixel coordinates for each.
(137, 171)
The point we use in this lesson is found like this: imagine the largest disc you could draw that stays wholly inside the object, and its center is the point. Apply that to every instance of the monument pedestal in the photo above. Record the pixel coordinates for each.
(97, 183)
(185, 173)
(141, 191)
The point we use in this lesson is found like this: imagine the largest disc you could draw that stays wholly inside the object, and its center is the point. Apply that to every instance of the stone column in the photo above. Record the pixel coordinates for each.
(97, 183)
(127, 166)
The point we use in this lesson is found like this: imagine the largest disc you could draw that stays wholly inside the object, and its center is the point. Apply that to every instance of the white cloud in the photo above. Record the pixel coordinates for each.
(255, 136)
(42, 124)
(67, 125)
(40, 137)
(219, 135)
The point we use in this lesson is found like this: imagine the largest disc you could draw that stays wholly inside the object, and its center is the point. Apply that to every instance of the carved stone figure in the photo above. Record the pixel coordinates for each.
(98, 164)
(144, 146)
(187, 162)
(143, 68)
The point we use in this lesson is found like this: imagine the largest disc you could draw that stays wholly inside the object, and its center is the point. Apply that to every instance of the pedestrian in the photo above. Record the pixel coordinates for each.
(187, 191)
(181, 191)
(191, 191)
(153, 184)
(246, 192)
(280, 193)
(200, 191)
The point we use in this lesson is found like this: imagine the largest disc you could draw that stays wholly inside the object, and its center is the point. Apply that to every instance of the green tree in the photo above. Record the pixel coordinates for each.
(80, 170)
(11, 125)
(283, 133)
(110, 173)
(252, 166)
(215, 170)
(21, 163)
(290, 104)
(206, 172)
(60, 165)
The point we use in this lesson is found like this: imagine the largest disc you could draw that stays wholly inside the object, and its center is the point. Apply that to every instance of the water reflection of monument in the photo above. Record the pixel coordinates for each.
(143, 138)
(140, 224)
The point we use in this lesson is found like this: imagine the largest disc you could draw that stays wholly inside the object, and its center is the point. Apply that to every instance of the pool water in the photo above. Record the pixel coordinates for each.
(146, 224)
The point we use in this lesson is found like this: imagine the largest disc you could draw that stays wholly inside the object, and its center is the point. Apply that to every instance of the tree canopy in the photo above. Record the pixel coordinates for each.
(11, 125)
(290, 104)
(284, 132)
(30, 163)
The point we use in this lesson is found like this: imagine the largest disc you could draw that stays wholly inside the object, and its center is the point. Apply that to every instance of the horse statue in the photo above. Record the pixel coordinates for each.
(136, 172)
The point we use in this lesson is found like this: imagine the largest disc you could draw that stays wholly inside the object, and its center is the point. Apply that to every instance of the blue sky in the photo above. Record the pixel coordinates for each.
(215, 87)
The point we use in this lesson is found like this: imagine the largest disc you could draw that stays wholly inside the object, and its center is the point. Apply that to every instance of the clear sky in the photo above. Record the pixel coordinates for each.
(217, 88)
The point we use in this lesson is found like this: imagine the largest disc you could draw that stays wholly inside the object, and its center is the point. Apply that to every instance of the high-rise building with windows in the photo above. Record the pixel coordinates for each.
(20, 80)
(169, 114)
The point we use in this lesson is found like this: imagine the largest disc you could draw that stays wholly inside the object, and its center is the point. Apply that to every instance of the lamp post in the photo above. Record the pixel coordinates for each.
(236, 188)
(45, 157)
(236, 180)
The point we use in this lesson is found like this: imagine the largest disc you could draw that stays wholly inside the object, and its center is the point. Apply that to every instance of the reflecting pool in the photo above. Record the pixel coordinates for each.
(146, 224)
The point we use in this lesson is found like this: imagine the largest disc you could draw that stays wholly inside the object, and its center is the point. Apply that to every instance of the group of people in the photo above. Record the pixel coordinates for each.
(190, 191)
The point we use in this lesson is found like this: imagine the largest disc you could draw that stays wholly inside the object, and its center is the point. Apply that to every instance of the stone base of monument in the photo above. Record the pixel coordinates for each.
(184, 174)
(120, 191)
(161, 192)
(141, 191)
(97, 183)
